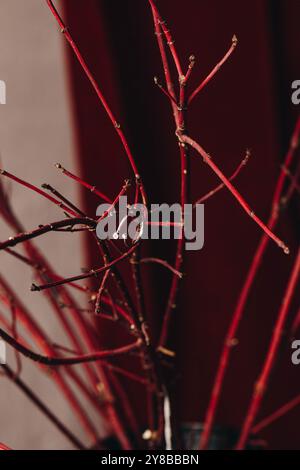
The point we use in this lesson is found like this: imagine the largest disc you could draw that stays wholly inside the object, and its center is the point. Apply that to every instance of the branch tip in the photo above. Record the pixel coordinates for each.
(34, 288)
(285, 248)
(247, 156)
(59, 166)
(192, 60)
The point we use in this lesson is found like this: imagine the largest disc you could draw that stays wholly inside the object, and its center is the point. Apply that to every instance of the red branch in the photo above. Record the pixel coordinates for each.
(170, 40)
(218, 188)
(214, 70)
(162, 263)
(262, 382)
(40, 192)
(284, 409)
(4, 447)
(240, 306)
(94, 84)
(207, 159)
(93, 273)
(44, 343)
(59, 361)
(93, 189)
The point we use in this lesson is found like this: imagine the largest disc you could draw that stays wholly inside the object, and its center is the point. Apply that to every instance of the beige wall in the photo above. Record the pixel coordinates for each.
(35, 132)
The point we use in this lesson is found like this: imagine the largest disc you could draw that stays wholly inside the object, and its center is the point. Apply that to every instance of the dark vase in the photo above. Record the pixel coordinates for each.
(222, 438)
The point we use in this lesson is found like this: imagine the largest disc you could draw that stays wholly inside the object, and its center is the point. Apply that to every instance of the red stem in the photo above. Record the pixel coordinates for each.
(178, 112)
(166, 92)
(93, 189)
(91, 397)
(39, 191)
(94, 272)
(284, 409)
(100, 292)
(218, 188)
(163, 263)
(214, 71)
(295, 324)
(43, 229)
(262, 382)
(91, 343)
(56, 193)
(170, 40)
(115, 201)
(240, 306)
(41, 339)
(207, 159)
(94, 84)
(63, 361)
(192, 61)
(4, 447)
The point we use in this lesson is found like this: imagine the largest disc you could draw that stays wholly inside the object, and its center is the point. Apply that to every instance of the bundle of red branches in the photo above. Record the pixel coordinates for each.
(115, 300)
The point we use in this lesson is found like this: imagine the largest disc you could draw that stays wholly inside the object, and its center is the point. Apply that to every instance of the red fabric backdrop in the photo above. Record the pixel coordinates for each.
(248, 104)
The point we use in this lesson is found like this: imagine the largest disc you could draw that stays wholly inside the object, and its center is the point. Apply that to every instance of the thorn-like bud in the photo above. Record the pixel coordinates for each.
(285, 248)
(232, 342)
(234, 40)
(248, 155)
(155, 79)
(46, 186)
(59, 166)
(34, 288)
(192, 60)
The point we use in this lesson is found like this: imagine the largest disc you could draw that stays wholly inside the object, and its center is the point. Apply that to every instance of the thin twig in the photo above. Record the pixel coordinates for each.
(56, 193)
(214, 70)
(40, 192)
(283, 410)
(92, 188)
(92, 273)
(59, 361)
(207, 159)
(163, 263)
(218, 188)
(170, 40)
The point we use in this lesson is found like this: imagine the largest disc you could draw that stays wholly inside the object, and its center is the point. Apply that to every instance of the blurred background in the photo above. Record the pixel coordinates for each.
(52, 114)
